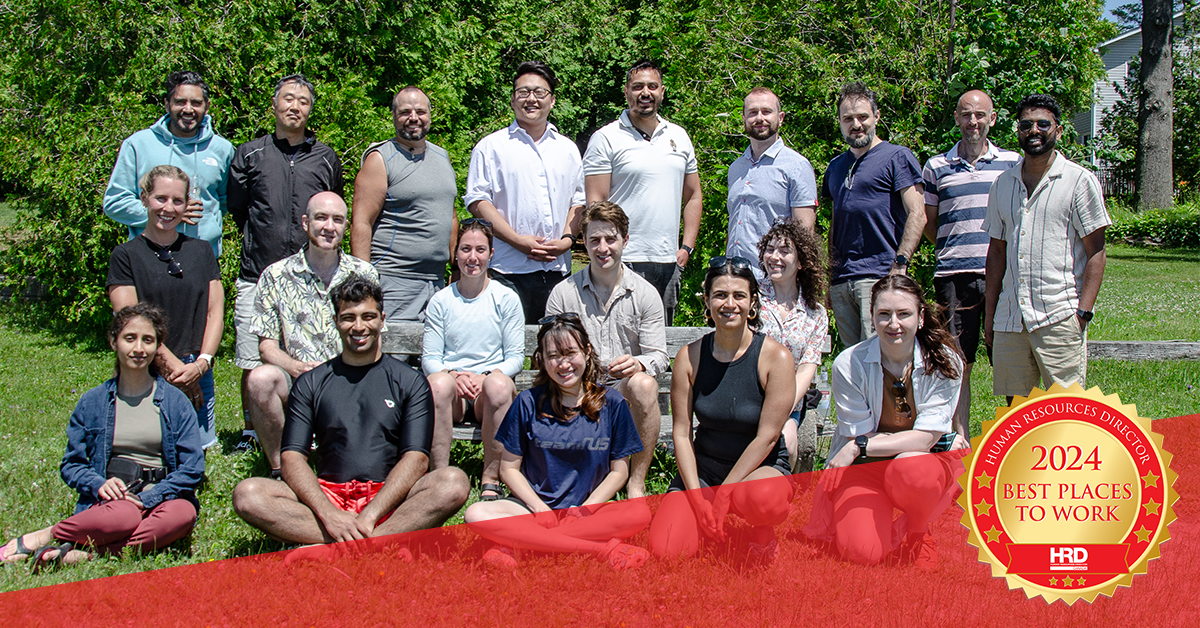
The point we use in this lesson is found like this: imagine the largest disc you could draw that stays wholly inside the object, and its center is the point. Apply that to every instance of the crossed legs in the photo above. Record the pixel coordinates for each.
(510, 524)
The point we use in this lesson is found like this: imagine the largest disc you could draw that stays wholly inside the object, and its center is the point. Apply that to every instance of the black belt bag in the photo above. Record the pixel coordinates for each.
(134, 475)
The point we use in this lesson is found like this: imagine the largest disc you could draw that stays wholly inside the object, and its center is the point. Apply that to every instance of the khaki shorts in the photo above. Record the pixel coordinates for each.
(1054, 354)
(246, 345)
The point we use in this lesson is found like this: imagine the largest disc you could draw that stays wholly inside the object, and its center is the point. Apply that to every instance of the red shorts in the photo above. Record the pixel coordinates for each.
(352, 496)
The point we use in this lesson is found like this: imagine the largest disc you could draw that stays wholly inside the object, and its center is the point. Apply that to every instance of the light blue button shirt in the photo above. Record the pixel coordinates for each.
(762, 191)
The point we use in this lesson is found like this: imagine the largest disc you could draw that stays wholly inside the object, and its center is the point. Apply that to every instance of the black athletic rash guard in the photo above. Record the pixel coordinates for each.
(364, 418)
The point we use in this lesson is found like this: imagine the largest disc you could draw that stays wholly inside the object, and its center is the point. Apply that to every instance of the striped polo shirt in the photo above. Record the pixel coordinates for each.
(960, 192)
(1043, 235)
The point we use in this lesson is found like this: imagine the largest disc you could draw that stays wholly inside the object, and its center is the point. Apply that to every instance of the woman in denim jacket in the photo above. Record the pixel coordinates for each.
(117, 420)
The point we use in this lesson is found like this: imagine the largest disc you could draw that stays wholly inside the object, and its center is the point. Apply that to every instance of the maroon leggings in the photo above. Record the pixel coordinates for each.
(113, 525)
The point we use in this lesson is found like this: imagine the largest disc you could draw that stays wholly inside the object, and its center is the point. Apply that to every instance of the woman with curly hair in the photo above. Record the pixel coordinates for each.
(792, 314)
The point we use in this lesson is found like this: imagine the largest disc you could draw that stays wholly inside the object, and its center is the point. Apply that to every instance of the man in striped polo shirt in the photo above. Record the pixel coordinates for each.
(956, 197)
(1045, 260)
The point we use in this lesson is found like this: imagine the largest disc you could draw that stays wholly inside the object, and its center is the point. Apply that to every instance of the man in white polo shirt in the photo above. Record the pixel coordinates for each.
(648, 166)
(1045, 260)
(527, 180)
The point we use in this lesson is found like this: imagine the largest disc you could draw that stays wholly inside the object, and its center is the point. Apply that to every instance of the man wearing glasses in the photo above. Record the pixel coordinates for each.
(623, 316)
(648, 166)
(527, 180)
(403, 220)
(1045, 260)
(878, 212)
(768, 182)
(956, 195)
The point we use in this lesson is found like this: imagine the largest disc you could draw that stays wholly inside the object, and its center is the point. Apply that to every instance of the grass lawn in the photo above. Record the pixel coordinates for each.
(41, 378)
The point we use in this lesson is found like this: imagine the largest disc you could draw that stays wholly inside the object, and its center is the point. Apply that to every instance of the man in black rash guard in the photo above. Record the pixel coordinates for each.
(372, 416)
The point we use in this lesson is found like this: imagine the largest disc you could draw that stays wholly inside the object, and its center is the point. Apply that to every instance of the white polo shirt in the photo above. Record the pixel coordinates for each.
(647, 182)
(532, 184)
(1043, 235)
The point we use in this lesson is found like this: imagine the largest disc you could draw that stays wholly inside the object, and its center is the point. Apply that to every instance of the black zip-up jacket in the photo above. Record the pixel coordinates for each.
(269, 191)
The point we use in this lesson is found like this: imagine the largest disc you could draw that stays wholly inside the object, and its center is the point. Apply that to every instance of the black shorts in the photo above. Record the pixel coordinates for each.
(533, 288)
(962, 296)
(713, 472)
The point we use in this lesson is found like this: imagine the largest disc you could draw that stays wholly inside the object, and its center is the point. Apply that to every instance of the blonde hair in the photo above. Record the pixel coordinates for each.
(165, 171)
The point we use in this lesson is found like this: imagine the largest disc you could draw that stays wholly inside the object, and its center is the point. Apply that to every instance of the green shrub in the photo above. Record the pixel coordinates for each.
(1174, 228)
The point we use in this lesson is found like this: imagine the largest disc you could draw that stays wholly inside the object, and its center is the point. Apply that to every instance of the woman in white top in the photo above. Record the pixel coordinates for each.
(895, 394)
(474, 345)
(792, 313)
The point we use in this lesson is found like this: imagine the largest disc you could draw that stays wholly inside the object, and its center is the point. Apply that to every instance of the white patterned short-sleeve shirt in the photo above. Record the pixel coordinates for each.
(801, 330)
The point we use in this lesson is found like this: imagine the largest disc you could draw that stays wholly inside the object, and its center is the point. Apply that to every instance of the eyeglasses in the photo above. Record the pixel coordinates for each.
(539, 92)
(900, 398)
(566, 317)
(173, 267)
(1043, 125)
(736, 261)
(471, 221)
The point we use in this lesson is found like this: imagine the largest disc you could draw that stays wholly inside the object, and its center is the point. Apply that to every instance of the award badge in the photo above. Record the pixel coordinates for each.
(1068, 494)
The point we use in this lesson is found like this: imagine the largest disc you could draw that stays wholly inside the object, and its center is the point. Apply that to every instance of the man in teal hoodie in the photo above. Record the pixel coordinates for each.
(183, 137)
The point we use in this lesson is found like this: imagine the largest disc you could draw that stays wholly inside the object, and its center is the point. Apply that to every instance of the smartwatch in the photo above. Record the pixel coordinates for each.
(687, 248)
(901, 261)
(861, 441)
(1085, 315)
(572, 237)
(208, 359)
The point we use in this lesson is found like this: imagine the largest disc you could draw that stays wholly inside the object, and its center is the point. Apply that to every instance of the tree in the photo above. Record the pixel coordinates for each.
(1155, 181)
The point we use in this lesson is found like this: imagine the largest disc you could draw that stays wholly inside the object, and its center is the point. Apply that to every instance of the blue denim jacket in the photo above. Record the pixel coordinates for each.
(90, 442)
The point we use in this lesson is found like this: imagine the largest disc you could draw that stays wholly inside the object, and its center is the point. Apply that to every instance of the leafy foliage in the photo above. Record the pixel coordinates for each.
(1175, 228)
(77, 77)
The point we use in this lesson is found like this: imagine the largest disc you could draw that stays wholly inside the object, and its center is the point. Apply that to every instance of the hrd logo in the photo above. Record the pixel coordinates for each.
(1068, 559)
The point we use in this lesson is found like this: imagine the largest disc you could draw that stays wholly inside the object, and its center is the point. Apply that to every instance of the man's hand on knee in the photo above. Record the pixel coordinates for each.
(344, 526)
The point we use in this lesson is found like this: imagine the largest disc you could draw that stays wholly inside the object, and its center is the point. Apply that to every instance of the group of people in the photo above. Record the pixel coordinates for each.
(358, 442)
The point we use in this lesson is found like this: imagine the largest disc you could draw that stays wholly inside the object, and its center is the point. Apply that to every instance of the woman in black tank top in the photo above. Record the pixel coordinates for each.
(740, 386)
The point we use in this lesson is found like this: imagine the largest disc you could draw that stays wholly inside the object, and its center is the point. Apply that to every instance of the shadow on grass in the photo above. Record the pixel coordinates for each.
(36, 317)
(1131, 254)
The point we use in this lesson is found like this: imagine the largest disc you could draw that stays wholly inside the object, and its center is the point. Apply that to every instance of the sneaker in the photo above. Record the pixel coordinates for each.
(247, 444)
(919, 550)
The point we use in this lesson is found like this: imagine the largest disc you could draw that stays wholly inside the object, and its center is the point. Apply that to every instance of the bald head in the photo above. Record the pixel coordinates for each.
(325, 221)
(974, 116)
(411, 116)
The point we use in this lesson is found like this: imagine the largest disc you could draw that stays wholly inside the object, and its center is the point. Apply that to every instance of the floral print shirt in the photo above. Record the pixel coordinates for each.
(801, 330)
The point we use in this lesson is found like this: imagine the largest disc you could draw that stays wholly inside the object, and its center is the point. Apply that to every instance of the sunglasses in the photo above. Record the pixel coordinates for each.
(900, 398)
(173, 267)
(471, 221)
(736, 261)
(1043, 125)
(566, 317)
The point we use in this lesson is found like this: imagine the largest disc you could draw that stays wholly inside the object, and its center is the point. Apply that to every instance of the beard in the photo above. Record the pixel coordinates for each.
(413, 135)
(1047, 145)
(863, 141)
(765, 134)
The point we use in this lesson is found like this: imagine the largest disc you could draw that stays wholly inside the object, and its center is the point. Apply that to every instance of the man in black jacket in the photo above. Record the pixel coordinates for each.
(270, 181)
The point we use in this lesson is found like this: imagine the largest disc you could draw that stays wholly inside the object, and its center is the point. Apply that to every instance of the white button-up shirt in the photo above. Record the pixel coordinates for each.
(1043, 233)
(532, 185)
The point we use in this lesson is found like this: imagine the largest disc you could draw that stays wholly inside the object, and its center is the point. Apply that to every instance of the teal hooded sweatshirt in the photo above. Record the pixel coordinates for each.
(204, 157)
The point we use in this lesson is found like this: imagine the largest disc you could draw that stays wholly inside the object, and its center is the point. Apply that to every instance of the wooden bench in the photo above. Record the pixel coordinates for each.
(404, 339)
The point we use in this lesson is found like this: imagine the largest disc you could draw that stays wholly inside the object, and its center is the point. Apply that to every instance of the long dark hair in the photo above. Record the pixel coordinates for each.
(734, 268)
(937, 345)
(810, 279)
(562, 328)
(152, 313)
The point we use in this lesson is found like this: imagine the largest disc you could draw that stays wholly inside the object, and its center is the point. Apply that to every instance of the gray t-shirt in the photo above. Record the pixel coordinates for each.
(411, 236)
(137, 430)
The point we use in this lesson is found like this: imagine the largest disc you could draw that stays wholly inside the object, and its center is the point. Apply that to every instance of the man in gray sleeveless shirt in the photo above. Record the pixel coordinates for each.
(403, 219)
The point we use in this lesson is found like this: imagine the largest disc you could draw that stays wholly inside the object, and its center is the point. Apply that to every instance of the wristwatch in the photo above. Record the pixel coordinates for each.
(901, 261)
(861, 441)
(1086, 315)
(207, 360)
(687, 248)
(574, 240)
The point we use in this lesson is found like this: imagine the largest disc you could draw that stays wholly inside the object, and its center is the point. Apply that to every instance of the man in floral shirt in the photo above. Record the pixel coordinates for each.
(294, 318)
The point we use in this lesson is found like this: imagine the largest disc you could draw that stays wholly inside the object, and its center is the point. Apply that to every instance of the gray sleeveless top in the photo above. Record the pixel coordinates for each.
(411, 236)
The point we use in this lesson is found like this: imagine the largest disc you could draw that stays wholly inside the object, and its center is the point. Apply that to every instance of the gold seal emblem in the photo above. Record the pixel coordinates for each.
(1068, 494)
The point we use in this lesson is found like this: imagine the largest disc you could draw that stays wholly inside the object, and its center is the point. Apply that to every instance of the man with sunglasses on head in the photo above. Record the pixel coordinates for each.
(271, 181)
(1045, 261)
(769, 182)
(956, 196)
(527, 181)
(623, 316)
(403, 220)
(878, 212)
(184, 137)
(648, 166)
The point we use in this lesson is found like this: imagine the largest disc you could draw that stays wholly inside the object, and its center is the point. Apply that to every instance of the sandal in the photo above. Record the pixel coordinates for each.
(497, 492)
(38, 564)
(621, 556)
(21, 550)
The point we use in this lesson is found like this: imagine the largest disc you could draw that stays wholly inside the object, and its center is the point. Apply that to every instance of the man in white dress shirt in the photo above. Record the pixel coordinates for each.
(527, 180)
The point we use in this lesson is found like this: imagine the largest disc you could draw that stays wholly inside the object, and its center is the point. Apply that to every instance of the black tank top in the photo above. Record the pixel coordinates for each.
(727, 399)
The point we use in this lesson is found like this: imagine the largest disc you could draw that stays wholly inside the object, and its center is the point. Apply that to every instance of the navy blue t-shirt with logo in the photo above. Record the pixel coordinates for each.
(565, 462)
(868, 213)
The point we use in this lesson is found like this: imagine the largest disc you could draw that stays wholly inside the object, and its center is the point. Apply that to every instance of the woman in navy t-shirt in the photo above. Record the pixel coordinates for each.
(567, 444)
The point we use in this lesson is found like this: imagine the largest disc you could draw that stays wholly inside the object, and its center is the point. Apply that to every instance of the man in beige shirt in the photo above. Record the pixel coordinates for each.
(623, 315)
